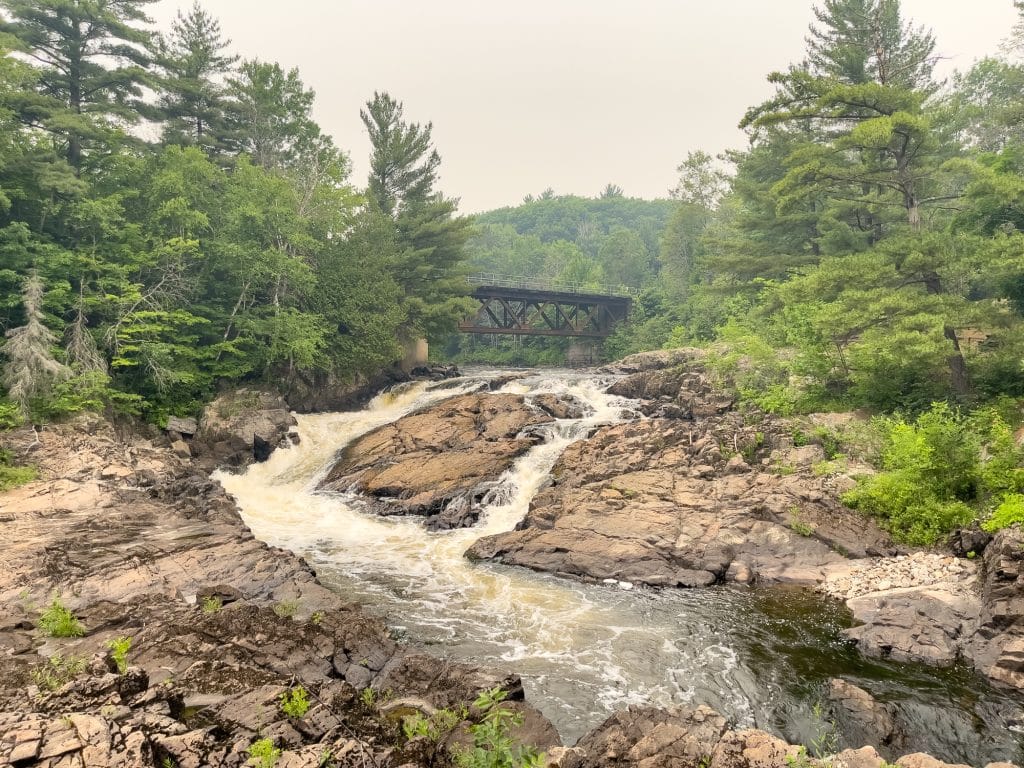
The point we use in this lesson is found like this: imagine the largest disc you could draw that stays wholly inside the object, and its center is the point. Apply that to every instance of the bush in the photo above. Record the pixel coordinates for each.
(492, 745)
(295, 702)
(263, 754)
(119, 648)
(1009, 512)
(58, 621)
(941, 471)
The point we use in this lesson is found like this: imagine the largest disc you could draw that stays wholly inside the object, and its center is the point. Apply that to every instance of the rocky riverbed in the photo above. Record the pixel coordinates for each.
(129, 531)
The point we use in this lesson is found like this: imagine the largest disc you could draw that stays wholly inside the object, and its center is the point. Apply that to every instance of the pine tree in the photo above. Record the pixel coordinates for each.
(91, 60)
(31, 369)
(403, 170)
(269, 116)
(403, 166)
(193, 100)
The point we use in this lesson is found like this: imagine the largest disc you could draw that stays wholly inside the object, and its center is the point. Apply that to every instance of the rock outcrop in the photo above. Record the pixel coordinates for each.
(998, 647)
(243, 426)
(442, 460)
(136, 545)
(699, 737)
(689, 500)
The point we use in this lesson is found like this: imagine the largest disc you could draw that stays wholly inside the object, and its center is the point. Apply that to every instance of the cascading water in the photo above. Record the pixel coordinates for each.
(762, 657)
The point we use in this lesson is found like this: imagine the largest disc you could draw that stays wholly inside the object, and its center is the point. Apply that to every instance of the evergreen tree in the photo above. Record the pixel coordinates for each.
(192, 98)
(403, 170)
(91, 60)
(403, 165)
(270, 114)
(31, 370)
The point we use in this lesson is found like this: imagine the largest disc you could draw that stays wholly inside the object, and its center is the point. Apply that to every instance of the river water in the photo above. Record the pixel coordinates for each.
(762, 657)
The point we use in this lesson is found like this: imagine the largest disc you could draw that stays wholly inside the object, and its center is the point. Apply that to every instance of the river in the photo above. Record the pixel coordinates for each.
(762, 656)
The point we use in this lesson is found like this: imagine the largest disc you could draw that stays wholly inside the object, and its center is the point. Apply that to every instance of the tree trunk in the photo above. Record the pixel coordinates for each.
(959, 378)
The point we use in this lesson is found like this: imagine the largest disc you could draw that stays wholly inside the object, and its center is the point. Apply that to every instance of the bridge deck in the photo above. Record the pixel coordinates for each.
(536, 311)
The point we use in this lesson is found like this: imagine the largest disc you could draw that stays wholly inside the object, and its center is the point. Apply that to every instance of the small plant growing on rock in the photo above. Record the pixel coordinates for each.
(57, 670)
(263, 754)
(119, 648)
(211, 604)
(492, 745)
(316, 618)
(435, 728)
(58, 621)
(295, 702)
(797, 524)
(368, 697)
(286, 609)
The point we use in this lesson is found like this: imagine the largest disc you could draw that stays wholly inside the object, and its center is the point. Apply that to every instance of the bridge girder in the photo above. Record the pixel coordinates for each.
(524, 312)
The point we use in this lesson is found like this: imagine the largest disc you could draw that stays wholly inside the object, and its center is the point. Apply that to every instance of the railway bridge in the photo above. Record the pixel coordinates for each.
(524, 306)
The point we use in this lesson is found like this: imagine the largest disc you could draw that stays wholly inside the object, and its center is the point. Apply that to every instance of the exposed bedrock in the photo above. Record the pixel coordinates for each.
(645, 737)
(137, 545)
(441, 460)
(670, 502)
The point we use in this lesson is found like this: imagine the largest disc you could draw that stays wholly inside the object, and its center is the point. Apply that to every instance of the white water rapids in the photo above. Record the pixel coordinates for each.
(582, 650)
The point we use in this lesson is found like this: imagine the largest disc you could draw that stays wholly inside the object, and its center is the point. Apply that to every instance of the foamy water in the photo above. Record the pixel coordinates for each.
(583, 650)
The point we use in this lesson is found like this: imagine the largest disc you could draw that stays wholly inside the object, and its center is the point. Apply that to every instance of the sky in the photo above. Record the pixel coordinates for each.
(568, 94)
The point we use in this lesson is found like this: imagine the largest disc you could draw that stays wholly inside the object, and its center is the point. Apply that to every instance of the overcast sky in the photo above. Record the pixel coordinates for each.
(571, 94)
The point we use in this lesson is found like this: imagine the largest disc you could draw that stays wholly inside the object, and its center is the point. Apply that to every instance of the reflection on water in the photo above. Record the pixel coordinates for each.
(763, 657)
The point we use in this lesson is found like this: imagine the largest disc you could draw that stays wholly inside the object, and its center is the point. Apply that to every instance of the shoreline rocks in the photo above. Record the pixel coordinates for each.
(136, 544)
(692, 500)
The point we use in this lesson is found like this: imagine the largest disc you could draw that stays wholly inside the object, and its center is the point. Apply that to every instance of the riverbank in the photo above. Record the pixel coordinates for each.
(137, 541)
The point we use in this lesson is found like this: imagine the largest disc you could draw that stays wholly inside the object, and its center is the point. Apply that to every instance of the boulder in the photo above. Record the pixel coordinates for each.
(243, 426)
(859, 716)
(922, 624)
(448, 454)
(654, 738)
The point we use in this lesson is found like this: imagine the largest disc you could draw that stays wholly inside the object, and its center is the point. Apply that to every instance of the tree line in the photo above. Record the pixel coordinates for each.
(870, 232)
(142, 273)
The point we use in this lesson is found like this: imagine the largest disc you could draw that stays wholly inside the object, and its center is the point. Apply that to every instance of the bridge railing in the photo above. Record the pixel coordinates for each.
(533, 284)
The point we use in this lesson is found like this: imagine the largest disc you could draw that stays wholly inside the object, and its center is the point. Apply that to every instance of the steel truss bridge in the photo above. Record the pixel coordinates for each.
(522, 306)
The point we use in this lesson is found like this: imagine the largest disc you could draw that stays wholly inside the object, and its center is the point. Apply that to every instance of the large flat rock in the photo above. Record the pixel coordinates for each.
(453, 450)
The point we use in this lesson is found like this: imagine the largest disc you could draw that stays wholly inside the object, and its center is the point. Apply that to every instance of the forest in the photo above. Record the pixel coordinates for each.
(142, 274)
(173, 221)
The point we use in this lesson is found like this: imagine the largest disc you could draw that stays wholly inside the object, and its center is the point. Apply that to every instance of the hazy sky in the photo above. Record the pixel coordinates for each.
(571, 94)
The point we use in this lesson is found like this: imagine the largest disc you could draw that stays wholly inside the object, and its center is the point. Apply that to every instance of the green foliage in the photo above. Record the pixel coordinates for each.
(939, 472)
(263, 754)
(119, 648)
(493, 746)
(434, 728)
(295, 702)
(1009, 512)
(368, 697)
(286, 609)
(11, 476)
(58, 621)
(211, 604)
(57, 670)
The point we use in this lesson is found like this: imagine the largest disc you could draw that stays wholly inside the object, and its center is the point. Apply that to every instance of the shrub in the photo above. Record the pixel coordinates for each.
(940, 472)
(286, 609)
(211, 604)
(295, 702)
(492, 745)
(263, 754)
(57, 670)
(58, 621)
(119, 648)
(1009, 511)
(435, 728)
